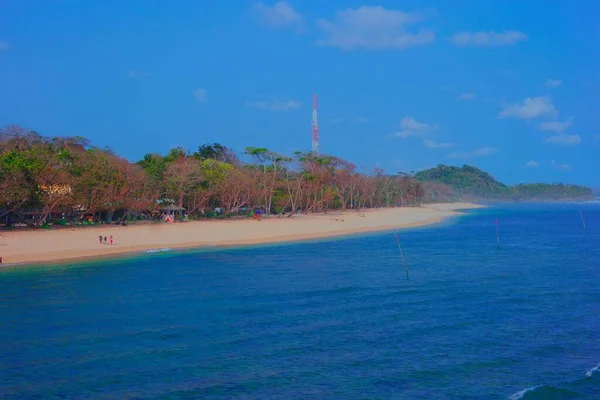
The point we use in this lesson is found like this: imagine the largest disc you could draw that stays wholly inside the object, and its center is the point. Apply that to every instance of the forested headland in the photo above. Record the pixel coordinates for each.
(468, 182)
(44, 177)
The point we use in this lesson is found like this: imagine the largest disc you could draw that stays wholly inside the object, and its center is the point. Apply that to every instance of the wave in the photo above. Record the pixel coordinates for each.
(595, 201)
(584, 388)
(521, 393)
(593, 371)
(157, 250)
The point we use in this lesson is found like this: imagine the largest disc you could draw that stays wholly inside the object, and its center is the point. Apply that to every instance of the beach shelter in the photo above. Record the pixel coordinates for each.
(171, 211)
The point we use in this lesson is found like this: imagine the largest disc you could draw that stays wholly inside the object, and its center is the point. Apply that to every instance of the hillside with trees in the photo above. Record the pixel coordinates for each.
(469, 182)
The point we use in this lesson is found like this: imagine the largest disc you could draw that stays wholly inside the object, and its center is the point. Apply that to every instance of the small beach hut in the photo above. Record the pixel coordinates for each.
(172, 212)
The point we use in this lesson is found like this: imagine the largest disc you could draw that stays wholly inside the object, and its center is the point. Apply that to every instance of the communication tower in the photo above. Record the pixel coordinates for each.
(315, 127)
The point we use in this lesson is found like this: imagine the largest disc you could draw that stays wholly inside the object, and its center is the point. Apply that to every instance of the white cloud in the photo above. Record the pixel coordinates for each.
(556, 126)
(279, 15)
(414, 125)
(138, 74)
(560, 167)
(481, 152)
(565, 139)
(275, 105)
(373, 28)
(532, 164)
(485, 151)
(3, 45)
(410, 127)
(200, 94)
(553, 83)
(435, 145)
(459, 154)
(531, 107)
(466, 96)
(491, 38)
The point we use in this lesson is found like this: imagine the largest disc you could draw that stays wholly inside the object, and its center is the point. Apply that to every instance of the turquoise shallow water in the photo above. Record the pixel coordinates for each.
(330, 319)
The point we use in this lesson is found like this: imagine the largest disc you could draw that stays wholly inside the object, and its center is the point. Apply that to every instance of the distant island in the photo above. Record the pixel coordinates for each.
(65, 180)
(471, 183)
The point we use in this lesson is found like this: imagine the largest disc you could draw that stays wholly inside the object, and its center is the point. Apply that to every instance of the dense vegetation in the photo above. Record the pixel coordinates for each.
(67, 178)
(471, 182)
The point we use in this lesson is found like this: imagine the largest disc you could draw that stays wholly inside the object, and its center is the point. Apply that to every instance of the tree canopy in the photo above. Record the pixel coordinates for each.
(69, 176)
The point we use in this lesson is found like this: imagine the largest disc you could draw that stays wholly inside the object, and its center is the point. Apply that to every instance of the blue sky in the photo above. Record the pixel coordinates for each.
(510, 86)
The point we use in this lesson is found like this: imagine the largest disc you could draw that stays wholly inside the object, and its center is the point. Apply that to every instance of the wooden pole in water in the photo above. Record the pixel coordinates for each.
(497, 233)
(401, 253)
(582, 220)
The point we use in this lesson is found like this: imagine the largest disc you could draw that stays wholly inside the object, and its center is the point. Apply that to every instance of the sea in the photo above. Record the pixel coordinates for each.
(489, 311)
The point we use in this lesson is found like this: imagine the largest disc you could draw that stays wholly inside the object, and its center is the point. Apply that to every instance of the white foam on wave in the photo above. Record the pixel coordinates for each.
(521, 393)
(158, 250)
(593, 371)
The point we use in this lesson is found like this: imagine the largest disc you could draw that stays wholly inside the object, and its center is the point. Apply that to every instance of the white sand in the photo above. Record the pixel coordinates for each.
(72, 243)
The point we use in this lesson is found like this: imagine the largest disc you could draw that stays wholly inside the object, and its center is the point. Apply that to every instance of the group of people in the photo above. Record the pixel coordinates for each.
(104, 239)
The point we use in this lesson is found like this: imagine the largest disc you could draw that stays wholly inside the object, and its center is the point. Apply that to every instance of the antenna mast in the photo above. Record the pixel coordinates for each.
(315, 127)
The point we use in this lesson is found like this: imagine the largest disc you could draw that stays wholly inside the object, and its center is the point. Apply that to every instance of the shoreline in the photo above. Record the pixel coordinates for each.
(61, 246)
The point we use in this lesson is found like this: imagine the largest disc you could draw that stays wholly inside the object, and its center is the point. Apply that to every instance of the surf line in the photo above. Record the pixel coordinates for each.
(401, 253)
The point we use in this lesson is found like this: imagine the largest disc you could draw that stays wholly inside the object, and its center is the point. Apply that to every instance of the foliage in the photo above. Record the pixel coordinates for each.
(471, 182)
(58, 178)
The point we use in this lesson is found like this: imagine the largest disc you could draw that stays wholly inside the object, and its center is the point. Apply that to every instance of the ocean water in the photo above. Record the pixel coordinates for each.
(332, 319)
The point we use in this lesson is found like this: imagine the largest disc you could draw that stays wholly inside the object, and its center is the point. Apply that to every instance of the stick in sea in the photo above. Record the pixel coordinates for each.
(497, 233)
(582, 220)
(401, 253)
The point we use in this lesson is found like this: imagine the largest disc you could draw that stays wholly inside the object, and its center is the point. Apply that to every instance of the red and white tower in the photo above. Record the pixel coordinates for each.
(315, 127)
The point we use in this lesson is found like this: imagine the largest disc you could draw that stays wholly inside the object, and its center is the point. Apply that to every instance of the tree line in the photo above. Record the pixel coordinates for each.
(68, 175)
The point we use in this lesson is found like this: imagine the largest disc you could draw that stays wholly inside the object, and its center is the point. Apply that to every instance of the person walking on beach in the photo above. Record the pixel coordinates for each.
(100, 237)
(104, 239)
(111, 240)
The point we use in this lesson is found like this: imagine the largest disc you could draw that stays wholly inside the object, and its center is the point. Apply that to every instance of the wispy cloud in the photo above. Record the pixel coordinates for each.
(200, 95)
(532, 164)
(373, 28)
(564, 139)
(530, 108)
(553, 83)
(410, 127)
(560, 167)
(488, 39)
(280, 15)
(275, 105)
(485, 151)
(138, 74)
(556, 126)
(466, 96)
(435, 145)
(459, 154)
(3, 45)
(481, 152)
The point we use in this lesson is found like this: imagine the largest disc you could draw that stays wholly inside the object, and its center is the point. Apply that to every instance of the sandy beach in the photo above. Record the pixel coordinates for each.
(43, 246)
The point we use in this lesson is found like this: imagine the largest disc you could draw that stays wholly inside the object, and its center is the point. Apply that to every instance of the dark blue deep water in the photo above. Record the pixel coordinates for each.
(332, 319)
